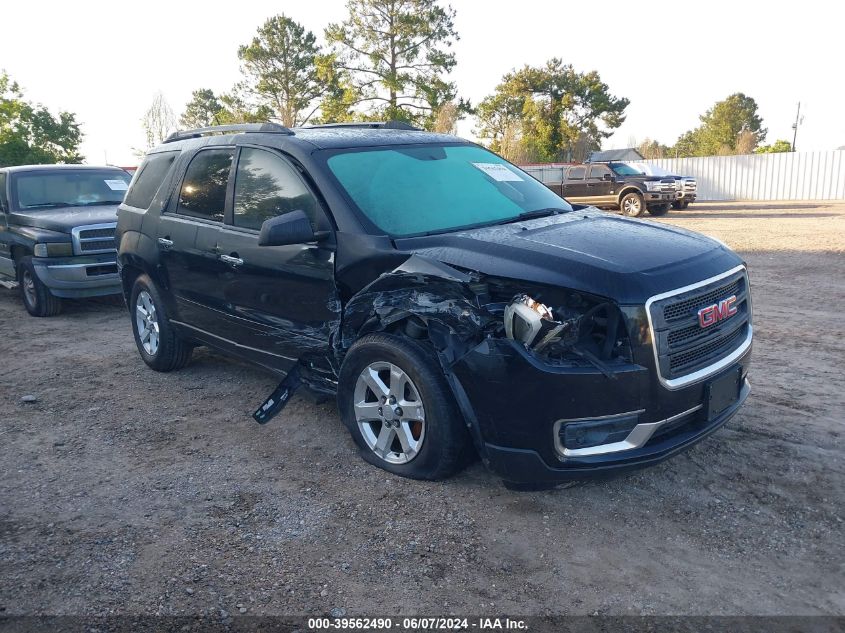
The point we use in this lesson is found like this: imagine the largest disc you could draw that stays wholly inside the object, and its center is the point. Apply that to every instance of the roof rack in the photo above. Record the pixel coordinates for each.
(372, 125)
(265, 128)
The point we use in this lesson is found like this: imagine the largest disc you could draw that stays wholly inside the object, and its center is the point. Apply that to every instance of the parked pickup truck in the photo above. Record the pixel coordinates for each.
(615, 185)
(686, 185)
(57, 227)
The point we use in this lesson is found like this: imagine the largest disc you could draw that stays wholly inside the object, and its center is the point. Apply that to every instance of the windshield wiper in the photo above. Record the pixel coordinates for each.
(531, 215)
(99, 202)
(52, 205)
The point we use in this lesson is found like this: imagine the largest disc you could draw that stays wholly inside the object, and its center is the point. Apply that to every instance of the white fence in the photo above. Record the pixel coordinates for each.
(784, 176)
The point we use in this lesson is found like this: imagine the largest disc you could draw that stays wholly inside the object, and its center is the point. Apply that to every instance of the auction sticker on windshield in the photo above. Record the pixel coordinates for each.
(497, 172)
(117, 185)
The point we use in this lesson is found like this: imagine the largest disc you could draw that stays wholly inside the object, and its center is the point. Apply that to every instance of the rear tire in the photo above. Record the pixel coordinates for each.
(37, 298)
(659, 209)
(158, 343)
(632, 205)
(420, 433)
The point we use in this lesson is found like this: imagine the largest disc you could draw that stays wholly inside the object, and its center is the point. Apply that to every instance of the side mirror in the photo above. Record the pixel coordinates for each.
(290, 228)
(608, 176)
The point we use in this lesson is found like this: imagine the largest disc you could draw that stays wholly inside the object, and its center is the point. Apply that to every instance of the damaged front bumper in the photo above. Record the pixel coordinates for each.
(522, 409)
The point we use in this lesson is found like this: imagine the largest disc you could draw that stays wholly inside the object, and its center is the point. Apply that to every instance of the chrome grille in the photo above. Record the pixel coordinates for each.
(682, 309)
(91, 239)
(683, 349)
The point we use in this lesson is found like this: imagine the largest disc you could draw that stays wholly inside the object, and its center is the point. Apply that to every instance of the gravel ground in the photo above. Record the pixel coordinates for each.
(127, 491)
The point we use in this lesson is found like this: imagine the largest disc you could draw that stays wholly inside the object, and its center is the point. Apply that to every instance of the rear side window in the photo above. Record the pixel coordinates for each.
(267, 186)
(148, 179)
(4, 200)
(577, 173)
(203, 193)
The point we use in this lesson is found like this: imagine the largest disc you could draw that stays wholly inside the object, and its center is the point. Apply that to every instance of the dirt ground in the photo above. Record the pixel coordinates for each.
(127, 491)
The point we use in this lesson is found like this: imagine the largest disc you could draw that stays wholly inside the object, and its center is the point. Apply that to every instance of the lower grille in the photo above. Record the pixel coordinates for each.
(105, 269)
(682, 345)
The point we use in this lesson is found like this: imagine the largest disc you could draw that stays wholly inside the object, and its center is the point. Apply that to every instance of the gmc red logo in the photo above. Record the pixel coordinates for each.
(718, 311)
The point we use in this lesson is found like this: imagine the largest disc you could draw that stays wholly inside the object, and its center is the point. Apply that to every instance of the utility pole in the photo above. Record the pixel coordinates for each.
(795, 126)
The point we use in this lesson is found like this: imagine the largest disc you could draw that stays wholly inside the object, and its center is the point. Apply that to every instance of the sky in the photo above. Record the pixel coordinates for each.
(105, 61)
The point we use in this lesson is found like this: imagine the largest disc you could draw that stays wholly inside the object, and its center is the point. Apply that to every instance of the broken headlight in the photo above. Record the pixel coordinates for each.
(567, 326)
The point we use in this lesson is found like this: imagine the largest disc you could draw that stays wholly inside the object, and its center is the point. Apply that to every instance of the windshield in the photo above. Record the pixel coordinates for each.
(67, 187)
(437, 188)
(625, 170)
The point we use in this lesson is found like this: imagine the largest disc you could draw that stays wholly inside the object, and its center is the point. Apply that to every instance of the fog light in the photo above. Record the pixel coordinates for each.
(587, 433)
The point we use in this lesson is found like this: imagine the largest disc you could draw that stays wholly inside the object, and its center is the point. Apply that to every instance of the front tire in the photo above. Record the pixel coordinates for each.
(37, 298)
(632, 205)
(158, 343)
(397, 405)
(659, 209)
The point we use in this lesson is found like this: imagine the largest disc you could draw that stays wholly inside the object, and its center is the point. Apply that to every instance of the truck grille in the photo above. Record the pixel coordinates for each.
(668, 186)
(94, 238)
(682, 346)
(690, 185)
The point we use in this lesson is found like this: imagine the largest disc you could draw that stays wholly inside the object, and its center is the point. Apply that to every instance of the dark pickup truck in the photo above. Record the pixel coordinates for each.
(616, 185)
(57, 227)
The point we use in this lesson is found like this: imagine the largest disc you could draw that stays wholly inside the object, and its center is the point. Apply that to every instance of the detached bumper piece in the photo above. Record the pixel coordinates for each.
(273, 405)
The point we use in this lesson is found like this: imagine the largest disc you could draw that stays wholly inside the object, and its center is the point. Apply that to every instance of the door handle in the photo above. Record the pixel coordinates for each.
(166, 243)
(232, 259)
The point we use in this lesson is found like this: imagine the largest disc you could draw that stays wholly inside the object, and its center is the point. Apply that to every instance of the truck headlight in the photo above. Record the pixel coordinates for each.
(53, 249)
(653, 185)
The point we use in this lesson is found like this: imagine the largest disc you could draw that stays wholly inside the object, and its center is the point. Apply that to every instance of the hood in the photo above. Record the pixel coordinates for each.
(619, 258)
(64, 219)
(643, 178)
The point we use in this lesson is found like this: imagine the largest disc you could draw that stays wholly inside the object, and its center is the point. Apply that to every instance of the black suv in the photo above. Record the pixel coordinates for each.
(57, 232)
(451, 302)
(614, 185)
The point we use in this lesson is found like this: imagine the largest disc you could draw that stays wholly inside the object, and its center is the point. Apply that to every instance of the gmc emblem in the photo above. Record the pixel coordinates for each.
(718, 311)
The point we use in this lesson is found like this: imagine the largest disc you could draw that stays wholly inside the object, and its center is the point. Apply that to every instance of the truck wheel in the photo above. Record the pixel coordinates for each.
(37, 298)
(395, 401)
(659, 209)
(632, 205)
(677, 204)
(685, 204)
(159, 345)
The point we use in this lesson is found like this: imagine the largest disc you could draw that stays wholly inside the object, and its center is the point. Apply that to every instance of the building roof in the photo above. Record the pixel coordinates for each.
(628, 153)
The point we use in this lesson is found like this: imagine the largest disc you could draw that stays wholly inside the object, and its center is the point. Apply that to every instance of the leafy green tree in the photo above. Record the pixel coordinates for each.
(775, 148)
(394, 57)
(202, 110)
(731, 126)
(30, 134)
(285, 69)
(237, 110)
(207, 108)
(549, 113)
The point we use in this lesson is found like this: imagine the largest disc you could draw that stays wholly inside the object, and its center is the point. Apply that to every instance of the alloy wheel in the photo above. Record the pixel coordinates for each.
(632, 206)
(28, 285)
(389, 412)
(146, 320)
